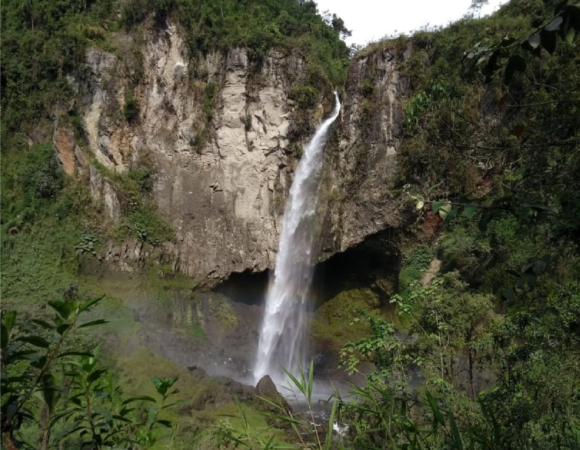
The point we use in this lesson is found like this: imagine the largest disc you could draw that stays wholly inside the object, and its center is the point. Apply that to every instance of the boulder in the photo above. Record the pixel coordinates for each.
(267, 388)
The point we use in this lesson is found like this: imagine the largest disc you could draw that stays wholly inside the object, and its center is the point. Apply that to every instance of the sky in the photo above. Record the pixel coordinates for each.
(370, 20)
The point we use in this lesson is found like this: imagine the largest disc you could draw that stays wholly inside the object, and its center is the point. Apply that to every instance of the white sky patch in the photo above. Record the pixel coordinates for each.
(371, 20)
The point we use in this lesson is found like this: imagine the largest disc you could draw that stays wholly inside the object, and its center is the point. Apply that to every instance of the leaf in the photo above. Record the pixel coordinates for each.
(470, 211)
(95, 375)
(492, 64)
(437, 416)
(328, 441)
(275, 405)
(84, 354)
(160, 386)
(548, 40)
(515, 64)
(93, 323)
(10, 319)
(91, 302)
(165, 423)
(144, 398)
(507, 41)
(436, 205)
(295, 381)
(554, 25)
(63, 308)
(455, 432)
(70, 429)
(37, 341)
(43, 324)
(61, 329)
(420, 204)
(445, 210)
(59, 415)
(22, 355)
(178, 402)
(107, 415)
(432, 188)
(121, 418)
(534, 41)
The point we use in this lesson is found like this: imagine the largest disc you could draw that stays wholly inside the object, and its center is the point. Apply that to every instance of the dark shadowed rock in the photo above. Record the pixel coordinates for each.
(205, 400)
(197, 372)
(236, 389)
(267, 388)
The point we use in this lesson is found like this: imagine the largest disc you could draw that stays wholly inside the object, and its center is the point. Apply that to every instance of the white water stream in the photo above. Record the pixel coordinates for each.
(283, 340)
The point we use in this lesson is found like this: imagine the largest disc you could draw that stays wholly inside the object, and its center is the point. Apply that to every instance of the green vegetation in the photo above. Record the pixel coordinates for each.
(330, 319)
(256, 26)
(485, 355)
(492, 158)
(42, 42)
(58, 395)
(131, 108)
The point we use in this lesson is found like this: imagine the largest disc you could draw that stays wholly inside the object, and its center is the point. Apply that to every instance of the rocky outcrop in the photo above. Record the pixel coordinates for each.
(361, 169)
(267, 388)
(216, 131)
(71, 157)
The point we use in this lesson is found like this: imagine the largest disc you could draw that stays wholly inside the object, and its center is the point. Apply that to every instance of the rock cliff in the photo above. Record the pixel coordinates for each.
(361, 166)
(217, 131)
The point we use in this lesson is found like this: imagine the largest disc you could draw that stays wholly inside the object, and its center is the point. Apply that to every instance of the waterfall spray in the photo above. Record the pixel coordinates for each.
(285, 324)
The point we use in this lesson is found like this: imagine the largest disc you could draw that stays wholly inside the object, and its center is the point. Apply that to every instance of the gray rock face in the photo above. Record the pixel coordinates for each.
(221, 176)
(221, 182)
(362, 165)
(267, 388)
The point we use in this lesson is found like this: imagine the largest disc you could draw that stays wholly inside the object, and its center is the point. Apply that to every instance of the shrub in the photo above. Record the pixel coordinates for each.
(304, 96)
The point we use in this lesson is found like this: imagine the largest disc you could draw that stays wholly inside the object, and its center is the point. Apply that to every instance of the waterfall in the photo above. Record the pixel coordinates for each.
(285, 325)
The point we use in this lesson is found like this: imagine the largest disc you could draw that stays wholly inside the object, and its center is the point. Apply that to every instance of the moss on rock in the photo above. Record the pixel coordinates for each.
(333, 320)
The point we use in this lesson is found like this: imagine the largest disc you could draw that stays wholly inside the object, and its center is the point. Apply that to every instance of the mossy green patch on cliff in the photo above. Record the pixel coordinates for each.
(140, 217)
(163, 280)
(221, 309)
(333, 321)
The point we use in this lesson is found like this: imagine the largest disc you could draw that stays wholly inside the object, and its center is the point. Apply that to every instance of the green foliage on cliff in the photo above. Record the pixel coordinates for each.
(254, 25)
(44, 41)
(492, 159)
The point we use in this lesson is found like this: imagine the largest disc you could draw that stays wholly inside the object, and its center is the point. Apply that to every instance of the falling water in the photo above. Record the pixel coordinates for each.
(284, 328)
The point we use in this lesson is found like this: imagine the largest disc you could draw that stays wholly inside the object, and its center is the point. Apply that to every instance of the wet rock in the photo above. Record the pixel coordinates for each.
(236, 389)
(267, 388)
